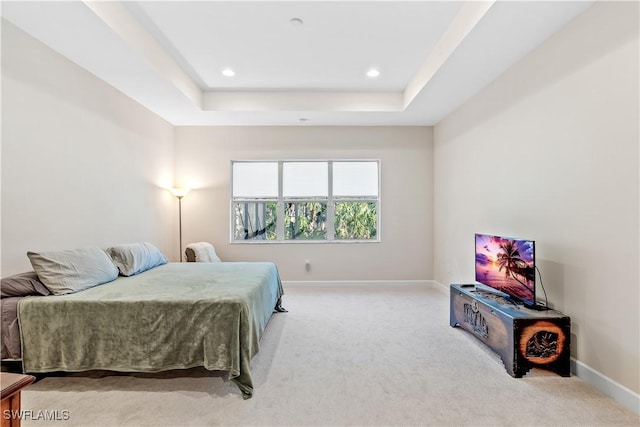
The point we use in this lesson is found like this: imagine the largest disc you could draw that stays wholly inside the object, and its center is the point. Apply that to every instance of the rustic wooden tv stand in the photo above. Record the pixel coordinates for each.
(523, 338)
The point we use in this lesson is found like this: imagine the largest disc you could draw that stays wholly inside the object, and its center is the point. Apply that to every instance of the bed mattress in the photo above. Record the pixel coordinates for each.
(175, 316)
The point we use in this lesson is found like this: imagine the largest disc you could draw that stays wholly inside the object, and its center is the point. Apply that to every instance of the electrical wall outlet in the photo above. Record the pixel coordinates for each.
(307, 265)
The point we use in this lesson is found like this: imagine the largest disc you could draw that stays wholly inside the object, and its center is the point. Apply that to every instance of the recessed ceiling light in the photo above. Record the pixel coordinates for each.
(296, 22)
(373, 73)
(228, 72)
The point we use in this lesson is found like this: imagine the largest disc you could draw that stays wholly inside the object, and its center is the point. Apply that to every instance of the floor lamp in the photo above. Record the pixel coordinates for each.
(179, 193)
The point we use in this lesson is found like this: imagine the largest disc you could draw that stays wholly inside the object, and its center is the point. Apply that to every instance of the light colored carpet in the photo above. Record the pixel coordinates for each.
(378, 356)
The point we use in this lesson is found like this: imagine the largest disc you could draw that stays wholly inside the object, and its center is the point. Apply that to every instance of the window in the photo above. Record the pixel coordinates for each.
(306, 200)
(255, 196)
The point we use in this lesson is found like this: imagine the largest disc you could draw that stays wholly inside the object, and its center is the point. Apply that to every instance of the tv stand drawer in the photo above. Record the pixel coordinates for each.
(522, 337)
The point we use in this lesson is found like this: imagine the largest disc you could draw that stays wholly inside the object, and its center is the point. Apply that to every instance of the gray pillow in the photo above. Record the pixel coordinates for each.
(68, 271)
(23, 284)
(134, 258)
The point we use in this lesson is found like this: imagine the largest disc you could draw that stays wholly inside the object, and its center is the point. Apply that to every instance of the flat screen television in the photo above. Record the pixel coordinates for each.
(507, 265)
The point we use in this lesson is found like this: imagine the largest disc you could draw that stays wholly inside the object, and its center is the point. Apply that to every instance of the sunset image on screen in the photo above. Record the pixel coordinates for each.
(507, 265)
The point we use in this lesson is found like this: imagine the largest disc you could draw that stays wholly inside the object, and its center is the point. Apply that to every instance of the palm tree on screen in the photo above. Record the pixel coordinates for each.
(512, 263)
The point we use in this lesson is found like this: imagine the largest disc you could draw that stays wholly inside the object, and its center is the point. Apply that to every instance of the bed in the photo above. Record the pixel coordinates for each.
(172, 316)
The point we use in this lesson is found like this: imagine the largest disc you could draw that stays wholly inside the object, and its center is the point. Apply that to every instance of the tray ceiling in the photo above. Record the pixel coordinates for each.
(295, 62)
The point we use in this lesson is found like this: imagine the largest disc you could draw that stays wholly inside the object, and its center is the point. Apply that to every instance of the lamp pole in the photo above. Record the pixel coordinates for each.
(180, 224)
(179, 193)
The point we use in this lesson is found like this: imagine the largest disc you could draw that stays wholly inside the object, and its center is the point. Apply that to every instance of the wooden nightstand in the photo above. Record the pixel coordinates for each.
(11, 385)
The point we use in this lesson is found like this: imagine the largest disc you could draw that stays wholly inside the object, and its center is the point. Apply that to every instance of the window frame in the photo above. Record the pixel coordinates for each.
(330, 200)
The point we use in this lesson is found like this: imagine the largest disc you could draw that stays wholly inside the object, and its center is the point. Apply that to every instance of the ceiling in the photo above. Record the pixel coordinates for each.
(296, 63)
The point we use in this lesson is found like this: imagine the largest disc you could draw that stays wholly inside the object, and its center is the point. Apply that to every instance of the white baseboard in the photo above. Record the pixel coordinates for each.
(621, 394)
(356, 283)
(442, 288)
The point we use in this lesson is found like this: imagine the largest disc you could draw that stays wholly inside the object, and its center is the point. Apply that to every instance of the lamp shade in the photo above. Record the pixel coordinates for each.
(179, 192)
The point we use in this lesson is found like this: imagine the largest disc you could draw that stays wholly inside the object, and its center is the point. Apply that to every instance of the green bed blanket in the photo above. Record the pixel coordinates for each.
(175, 316)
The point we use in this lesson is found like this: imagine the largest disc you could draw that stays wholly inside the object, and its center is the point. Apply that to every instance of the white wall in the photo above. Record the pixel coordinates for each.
(203, 161)
(549, 151)
(81, 163)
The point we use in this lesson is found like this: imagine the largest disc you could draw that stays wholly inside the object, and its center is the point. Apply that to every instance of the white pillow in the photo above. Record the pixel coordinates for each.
(134, 258)
(203, 252)
(68, 271)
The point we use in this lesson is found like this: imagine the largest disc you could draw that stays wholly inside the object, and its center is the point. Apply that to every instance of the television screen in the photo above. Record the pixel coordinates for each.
(508, 265)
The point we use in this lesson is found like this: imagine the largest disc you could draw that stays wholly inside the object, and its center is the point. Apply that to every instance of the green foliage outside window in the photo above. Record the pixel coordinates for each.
(305, 221)
(356, 220)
